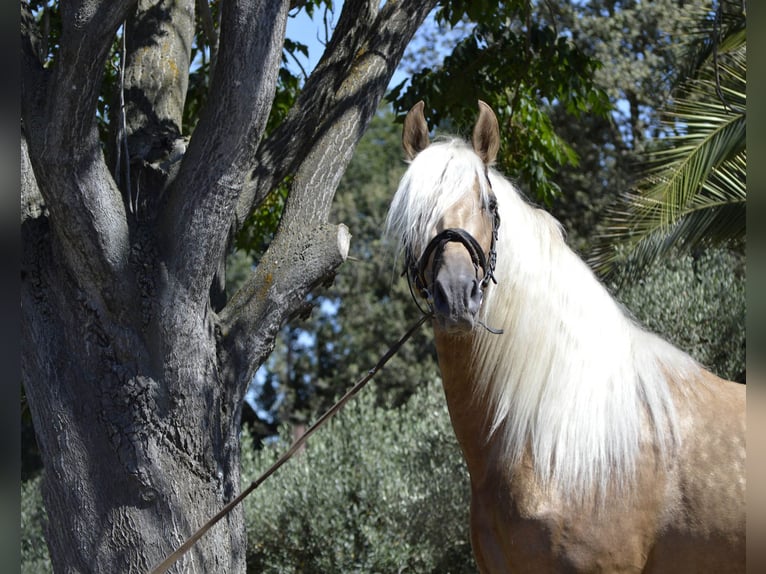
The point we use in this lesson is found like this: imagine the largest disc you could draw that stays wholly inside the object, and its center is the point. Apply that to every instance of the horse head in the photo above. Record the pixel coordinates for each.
(455, 266)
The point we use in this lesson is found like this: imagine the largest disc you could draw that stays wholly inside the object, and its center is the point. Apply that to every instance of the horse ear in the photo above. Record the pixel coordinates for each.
(486, 134)
(415, 131)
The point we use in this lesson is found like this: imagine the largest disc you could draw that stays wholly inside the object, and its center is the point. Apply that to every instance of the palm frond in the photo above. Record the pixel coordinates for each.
(711, 30)
(694, 190)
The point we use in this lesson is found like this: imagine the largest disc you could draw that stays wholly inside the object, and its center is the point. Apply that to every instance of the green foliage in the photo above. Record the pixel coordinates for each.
(453, 11)
(719, 26)
(259, 229)
(520, 66)
(378, 490)
(694, 194)
(311, 6)
(640, 47)
(239, 266)
(34, 550)
(697, 303)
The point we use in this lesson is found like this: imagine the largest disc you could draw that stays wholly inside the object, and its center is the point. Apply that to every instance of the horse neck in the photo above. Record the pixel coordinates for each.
(469, 416)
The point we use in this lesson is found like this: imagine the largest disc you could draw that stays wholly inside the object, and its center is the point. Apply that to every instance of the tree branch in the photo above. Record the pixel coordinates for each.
(203, 196)
(88, 29)
(295, 265)
(348, 91)
(278, 155)
(367, 43)
(59, 118)
(158, 43)
(158, 40)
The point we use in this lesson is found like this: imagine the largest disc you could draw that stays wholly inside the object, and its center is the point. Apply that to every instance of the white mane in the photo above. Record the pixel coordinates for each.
(572, 379)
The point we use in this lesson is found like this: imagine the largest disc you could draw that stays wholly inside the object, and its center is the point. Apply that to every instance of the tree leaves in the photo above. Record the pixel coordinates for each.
(521, 68)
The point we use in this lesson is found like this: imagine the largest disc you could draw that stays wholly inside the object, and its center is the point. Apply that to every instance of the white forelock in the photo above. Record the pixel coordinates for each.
(437, 178)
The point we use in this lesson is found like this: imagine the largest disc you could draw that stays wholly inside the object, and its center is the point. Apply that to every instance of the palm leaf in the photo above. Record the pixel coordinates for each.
(711, 30)
(693, 192)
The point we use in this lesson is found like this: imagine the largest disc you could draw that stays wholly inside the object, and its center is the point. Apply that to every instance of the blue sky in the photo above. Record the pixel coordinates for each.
(303, 29)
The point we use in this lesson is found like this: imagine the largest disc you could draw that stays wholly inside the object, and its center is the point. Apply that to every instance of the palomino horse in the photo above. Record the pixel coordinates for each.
(592, 445)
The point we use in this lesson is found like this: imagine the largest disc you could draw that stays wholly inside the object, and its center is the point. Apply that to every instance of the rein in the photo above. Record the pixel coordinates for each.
(181, 550)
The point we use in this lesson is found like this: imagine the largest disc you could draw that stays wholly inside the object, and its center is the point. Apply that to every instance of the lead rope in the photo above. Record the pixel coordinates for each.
(173, 558)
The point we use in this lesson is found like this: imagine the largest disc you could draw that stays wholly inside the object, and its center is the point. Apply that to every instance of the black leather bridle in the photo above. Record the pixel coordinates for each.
(416, 269)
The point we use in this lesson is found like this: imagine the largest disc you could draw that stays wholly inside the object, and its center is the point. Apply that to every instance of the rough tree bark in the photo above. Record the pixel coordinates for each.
(134, 379)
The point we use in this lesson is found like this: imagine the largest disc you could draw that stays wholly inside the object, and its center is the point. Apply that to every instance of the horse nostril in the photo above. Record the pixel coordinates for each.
(475, 296)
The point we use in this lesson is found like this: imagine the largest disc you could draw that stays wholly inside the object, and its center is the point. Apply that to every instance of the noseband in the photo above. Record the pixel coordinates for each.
(416, 270)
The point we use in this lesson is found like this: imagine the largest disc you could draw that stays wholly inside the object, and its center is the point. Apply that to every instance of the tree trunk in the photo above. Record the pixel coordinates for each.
(134, 382)
(132, 421)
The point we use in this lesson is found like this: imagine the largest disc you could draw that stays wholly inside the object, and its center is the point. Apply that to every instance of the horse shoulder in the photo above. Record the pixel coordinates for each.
(520, 525)
(687, 512)
(703, 526)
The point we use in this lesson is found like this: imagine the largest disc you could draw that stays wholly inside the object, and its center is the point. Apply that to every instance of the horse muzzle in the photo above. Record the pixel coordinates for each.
(457, 296)
(459, 272)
